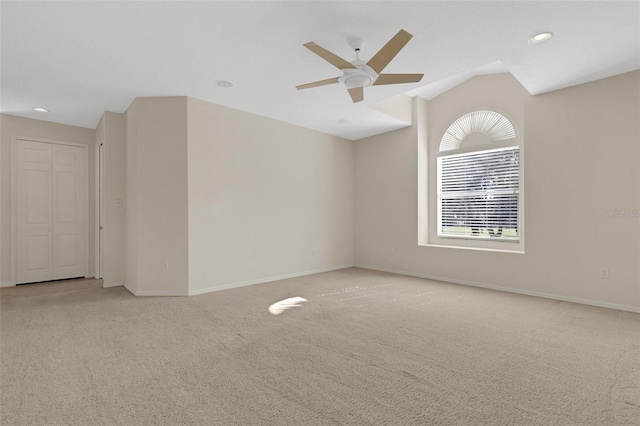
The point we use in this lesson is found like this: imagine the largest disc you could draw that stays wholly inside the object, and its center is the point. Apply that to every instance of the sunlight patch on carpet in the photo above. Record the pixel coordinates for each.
(281, 306)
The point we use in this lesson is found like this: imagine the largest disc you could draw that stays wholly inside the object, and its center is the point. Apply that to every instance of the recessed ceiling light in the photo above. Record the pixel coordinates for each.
(343, 121)
(40, 109)
(540, 37)
(224, 83)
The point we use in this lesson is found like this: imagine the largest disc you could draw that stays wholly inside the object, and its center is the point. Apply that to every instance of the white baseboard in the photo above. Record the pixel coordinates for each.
(509, 289)
(111, 284)
(7, 284)
(91, 275)
(161, 293)
(266, 280)
(170, 293)
(165, 293)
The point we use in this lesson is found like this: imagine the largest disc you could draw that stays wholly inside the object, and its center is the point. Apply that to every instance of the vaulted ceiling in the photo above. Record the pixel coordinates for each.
(78, 59)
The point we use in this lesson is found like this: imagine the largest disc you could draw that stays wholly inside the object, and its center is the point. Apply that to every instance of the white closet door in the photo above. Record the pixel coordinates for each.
(34, 201)
(68, 211)
(50, 211)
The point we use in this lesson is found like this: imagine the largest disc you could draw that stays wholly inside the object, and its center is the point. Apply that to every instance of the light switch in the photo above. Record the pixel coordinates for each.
(119, 202)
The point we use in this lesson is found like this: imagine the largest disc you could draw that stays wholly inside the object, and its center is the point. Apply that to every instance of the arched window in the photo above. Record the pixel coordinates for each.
(479, 179)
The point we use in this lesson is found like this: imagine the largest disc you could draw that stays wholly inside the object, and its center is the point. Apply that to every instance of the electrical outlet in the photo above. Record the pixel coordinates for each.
(119, 202)
(164, 265)
(604, 273)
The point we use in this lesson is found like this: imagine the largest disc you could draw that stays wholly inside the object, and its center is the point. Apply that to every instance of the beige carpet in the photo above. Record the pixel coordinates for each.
(367, 348)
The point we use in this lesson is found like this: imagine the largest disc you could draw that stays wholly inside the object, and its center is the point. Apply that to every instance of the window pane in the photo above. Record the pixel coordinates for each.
(478, 194)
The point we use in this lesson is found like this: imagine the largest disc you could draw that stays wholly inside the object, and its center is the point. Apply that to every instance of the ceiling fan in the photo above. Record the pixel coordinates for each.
(360, 74)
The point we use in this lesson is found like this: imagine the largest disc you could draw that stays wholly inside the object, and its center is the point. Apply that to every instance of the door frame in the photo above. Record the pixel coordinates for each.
(99, 208)
(14, 204)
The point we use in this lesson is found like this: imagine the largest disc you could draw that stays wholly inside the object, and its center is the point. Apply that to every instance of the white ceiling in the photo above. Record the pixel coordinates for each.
(80, 58)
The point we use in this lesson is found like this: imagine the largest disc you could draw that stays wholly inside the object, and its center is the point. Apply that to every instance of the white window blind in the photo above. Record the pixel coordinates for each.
(478, 194)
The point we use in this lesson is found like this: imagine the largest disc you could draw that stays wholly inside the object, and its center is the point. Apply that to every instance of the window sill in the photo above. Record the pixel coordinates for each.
(467, 238)
(516, 251)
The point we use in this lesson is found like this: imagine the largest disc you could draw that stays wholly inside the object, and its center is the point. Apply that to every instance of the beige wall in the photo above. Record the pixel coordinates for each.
(157, 235)
(12, 125)
(237, 197)
(266, 199)
(581, 158)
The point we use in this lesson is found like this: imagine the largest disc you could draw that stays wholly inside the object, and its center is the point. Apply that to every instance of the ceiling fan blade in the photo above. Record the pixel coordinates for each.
(334, 60)
(357, 94)
(397, 78)
(318, 83)
(389, 51)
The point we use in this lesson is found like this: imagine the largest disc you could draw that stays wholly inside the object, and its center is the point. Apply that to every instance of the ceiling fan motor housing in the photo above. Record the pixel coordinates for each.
(361, 76)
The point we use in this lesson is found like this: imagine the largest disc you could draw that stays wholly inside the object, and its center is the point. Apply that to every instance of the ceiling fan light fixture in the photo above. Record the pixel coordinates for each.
(355, 81)
(541, 37)
(40, 109)
(360, 76)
